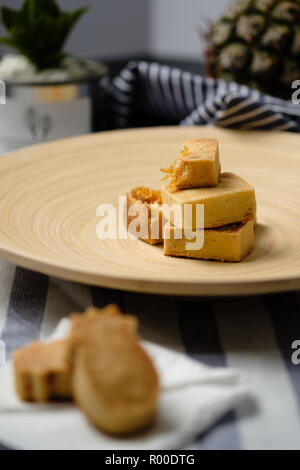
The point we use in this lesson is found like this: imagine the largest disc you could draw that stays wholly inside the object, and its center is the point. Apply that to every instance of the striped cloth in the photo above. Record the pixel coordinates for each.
(252, 334)
(148, 93)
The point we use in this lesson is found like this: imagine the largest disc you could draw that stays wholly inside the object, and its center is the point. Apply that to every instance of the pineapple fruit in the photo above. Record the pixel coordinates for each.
(257, 43)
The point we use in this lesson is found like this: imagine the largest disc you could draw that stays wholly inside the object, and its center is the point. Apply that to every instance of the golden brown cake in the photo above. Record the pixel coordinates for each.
(152, 218)
(229, 243)
(93, 318)
(197, 166)
(233, 200)
(114, 381)
(43, 371)
(100, 364)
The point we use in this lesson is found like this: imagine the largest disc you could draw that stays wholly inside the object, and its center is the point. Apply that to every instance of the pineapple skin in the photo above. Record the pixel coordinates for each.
(257, 43)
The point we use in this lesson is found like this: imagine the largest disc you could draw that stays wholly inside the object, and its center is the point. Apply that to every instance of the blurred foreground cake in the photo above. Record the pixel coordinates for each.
(100, 364)
(114, 380)
(43, 371)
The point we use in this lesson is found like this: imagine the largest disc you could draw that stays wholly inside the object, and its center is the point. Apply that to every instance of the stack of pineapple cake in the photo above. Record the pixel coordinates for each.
(195, 179)
(228, 200)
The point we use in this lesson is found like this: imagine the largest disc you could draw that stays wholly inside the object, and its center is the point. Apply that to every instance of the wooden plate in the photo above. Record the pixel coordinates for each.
(49, 195)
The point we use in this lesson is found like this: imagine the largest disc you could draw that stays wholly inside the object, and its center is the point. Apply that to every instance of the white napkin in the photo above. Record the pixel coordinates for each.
(193, 397)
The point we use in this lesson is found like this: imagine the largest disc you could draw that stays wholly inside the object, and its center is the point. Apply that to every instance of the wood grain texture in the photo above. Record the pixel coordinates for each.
(49, 195)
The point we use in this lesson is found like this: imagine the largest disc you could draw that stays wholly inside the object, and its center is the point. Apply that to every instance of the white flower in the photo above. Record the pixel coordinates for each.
(16, 67)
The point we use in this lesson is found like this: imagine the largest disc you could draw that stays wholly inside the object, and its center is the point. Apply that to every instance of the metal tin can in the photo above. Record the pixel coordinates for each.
(31, 113)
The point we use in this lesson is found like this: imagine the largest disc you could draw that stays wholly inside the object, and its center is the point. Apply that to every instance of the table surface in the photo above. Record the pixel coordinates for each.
(253, 334)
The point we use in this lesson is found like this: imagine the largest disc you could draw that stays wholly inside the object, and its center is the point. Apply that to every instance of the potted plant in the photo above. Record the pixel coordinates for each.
(49, 94)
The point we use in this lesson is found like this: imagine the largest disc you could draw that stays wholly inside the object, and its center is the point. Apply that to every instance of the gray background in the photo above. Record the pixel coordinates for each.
(116, 28)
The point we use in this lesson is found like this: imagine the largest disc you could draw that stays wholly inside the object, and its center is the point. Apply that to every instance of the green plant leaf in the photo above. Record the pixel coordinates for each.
(73, 17)
(32, 11)
(68, 22)
(8, 42)
(9, 17)
(40, 30)
(49, 7)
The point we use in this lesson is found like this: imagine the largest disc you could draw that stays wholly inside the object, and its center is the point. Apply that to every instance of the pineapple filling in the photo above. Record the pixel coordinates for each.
(177, 170)
(147, 195)
(185, 151)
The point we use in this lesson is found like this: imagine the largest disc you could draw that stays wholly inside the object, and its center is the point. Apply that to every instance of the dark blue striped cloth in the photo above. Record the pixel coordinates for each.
(168, 95)
(254, 335)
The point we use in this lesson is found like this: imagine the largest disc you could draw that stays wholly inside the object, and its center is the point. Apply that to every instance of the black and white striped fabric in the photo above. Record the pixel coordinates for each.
(171, 96)
(254, 335)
